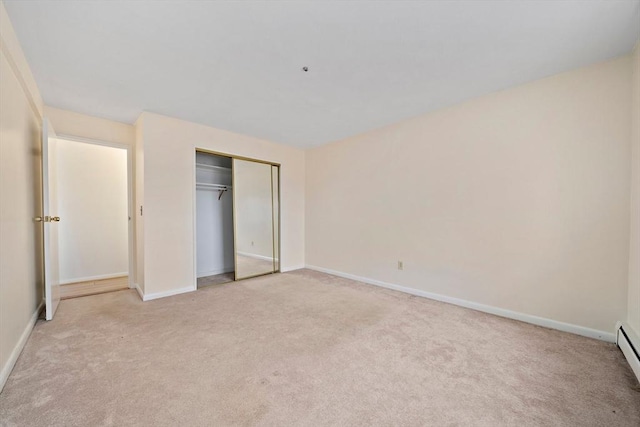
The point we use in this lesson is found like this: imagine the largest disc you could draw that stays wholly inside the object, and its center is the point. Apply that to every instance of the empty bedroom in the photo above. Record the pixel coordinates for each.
(310, 213)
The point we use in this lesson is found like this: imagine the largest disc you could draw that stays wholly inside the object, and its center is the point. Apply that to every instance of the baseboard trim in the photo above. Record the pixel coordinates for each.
(93, 278)
(157, 295)
(140, 293)
(629, 344)
(15, 354)
(93, 287)
(523, 317)
(292, 268)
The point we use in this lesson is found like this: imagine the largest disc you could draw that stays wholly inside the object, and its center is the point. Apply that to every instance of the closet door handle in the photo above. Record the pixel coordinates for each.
(55, 219)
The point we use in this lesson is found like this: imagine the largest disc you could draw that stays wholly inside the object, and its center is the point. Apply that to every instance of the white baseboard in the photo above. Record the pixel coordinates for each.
(629, 344)
(13, 358)
(156, 295)
(140, 293)
(215, 272)
(92, 278)
(292, 268)
(528, 318)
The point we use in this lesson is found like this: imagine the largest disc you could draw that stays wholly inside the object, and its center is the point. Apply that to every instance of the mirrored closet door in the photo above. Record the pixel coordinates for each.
(256, 218)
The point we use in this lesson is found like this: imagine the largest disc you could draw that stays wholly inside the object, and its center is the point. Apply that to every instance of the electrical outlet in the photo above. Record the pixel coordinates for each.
(400, 265)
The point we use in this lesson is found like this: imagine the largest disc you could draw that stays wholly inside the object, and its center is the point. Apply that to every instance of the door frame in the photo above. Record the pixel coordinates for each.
(193, 207)
(130, 201)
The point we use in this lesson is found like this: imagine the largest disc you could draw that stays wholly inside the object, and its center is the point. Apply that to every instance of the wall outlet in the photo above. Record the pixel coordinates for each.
(400, 265)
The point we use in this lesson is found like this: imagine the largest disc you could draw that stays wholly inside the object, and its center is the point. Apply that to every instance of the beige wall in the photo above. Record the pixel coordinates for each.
(517, 200)
(169, 187)
(634, 256)
(21, 275)
(80, 125)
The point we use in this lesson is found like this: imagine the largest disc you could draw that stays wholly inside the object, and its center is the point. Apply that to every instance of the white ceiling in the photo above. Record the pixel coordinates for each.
(237, 65)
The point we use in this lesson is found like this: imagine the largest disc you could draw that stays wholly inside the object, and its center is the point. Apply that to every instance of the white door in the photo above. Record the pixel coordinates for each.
(50, 219)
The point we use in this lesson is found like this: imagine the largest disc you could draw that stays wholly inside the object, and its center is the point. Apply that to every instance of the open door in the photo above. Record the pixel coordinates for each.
(50, 220)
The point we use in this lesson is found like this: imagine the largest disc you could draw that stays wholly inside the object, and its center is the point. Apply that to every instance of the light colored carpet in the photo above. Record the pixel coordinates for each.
(306, 348)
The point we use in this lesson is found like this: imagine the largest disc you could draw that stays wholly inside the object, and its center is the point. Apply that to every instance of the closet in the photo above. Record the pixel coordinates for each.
(237, 218)
(214, 219)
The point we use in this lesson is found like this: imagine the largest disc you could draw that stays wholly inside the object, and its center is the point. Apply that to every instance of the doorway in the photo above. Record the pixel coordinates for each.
(93, 202)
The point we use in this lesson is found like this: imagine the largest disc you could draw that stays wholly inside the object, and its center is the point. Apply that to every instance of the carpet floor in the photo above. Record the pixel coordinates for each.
(306, 348)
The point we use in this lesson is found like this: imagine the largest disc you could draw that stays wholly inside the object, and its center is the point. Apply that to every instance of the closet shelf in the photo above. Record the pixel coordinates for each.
(212, 167)
(213, 186)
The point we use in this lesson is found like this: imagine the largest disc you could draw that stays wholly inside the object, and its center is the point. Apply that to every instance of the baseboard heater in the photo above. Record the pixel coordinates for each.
(629, 343)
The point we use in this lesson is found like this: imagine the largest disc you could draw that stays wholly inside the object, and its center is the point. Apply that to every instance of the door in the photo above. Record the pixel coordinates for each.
(275, 193)
(253, 210)
(50, 219)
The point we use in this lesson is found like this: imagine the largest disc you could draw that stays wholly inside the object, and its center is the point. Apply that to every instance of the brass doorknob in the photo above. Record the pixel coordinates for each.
(55, 219)
(38, 219)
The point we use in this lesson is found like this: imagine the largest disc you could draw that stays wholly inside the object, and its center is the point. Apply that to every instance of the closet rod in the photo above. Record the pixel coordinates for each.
(213, 186)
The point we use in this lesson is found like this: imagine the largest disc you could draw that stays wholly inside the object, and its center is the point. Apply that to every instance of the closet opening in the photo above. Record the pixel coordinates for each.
(214, 220)
(237, 209)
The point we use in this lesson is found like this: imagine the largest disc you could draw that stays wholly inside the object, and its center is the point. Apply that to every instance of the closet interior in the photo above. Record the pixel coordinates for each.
(214, 220)
(237, 218)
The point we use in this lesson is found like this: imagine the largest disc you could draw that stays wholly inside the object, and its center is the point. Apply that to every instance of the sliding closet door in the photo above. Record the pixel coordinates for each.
(275, 196)
(254, 218)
